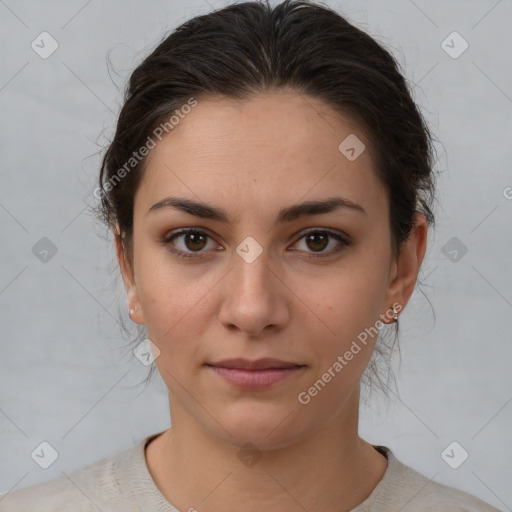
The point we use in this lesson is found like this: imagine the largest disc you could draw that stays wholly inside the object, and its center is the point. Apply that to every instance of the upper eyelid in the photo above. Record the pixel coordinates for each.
(330, 231)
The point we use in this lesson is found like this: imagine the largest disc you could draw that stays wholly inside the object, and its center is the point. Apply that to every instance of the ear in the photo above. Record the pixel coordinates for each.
(404, 271)
(128, 276)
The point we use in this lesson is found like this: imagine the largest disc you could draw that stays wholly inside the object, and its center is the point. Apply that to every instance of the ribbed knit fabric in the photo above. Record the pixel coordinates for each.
(122, 483)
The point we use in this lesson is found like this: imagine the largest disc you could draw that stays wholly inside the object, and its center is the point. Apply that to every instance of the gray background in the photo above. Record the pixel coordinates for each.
(67, 376)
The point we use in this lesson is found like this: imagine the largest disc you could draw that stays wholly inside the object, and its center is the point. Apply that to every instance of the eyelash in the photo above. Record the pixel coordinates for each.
(344, 242)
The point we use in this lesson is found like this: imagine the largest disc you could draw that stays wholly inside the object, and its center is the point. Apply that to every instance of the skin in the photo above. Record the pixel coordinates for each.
(252, 158)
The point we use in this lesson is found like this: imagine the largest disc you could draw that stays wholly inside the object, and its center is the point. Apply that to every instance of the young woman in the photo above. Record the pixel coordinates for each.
(269, 188)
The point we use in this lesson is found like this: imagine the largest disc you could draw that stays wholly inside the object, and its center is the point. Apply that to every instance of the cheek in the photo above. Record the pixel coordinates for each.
(165, 290)
(173, 313)
(174, 321)
(350, 299)
(346, 308)
(176, 306)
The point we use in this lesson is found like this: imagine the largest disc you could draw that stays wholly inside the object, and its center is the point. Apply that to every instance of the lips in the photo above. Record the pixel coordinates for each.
(259, 364)
(257, 375)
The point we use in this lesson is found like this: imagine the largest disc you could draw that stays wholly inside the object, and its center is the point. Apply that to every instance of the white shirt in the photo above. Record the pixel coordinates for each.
(123, 483)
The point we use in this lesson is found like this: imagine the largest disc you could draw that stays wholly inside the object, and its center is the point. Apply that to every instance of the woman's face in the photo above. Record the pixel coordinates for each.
(252, 285)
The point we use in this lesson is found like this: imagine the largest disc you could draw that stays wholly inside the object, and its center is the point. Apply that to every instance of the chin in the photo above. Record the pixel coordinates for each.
(265, 427)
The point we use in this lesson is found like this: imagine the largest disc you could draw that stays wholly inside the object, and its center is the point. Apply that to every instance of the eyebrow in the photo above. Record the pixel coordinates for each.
(287, 214)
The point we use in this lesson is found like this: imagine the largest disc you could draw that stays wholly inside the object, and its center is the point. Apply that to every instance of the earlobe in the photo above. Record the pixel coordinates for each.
(392, 313)
(136, 315)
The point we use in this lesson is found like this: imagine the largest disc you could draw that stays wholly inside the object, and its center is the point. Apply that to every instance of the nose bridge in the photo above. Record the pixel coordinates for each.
(251, 265)
(254, 300)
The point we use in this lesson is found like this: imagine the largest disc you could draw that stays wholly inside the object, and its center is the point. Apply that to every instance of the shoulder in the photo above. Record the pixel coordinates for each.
(92, 488)
(403, 488)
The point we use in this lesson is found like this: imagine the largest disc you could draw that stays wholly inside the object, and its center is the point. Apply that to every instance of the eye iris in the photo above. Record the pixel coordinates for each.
(195, 238)
(314, 237)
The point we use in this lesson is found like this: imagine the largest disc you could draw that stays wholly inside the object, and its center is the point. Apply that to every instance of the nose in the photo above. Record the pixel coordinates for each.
(256, 300)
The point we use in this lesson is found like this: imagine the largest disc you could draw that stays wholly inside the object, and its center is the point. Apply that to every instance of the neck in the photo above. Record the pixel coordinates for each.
(332, 470)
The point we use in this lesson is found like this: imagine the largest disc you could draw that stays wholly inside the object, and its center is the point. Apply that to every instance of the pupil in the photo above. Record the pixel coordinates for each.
(194, 237)
(315, 237)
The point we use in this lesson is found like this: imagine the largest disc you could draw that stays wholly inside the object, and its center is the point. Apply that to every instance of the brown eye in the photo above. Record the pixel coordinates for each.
(187, 243)
(317, 241)
(194, 241)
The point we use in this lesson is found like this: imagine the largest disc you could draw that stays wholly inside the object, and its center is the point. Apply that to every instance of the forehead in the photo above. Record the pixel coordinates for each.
(275, 121)
(276, 147)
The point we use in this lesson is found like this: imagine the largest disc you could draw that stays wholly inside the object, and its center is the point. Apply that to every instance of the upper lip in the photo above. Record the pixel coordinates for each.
(259, 364)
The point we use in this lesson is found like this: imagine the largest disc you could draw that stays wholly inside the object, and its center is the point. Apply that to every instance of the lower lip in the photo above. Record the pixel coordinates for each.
(255, 379)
